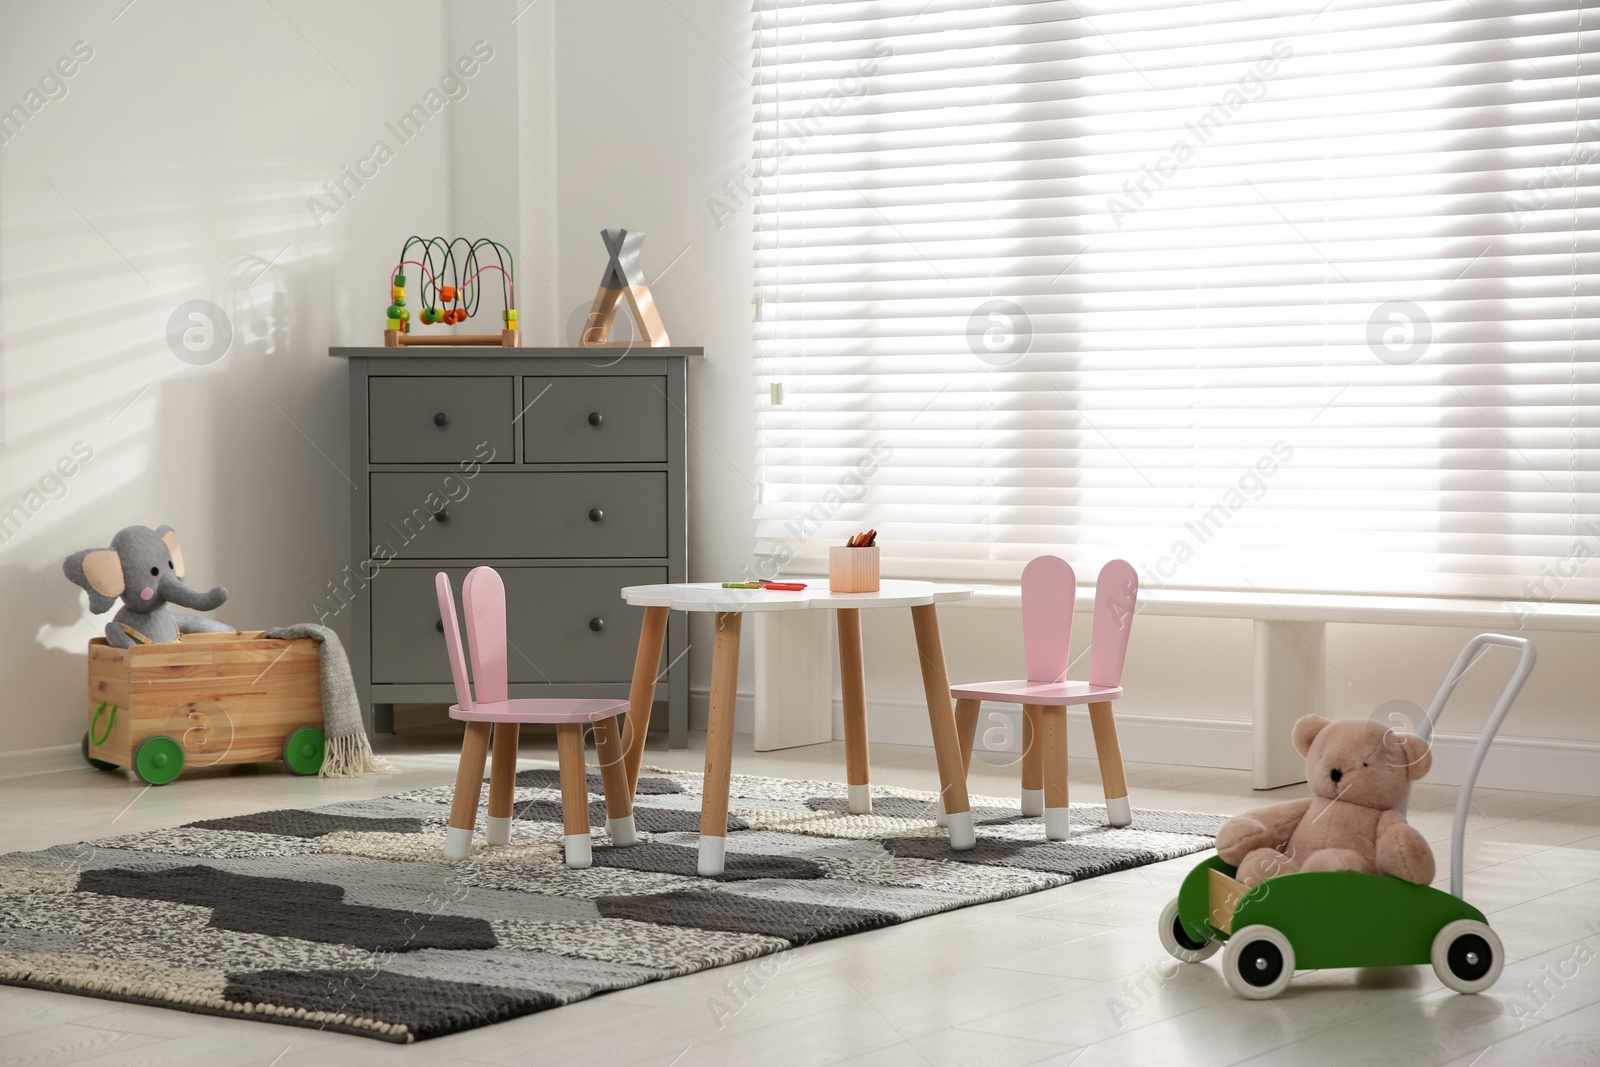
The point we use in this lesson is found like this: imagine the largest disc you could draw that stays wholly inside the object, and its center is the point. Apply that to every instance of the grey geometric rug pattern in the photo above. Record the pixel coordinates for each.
(347, 917)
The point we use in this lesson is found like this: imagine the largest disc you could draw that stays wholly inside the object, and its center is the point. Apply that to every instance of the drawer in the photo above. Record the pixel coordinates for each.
(595, 420)
(520, 515)
(549, 611)
(405, 414)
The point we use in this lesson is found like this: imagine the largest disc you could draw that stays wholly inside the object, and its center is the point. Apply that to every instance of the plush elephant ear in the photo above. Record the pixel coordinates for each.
(174, 550)
(98, 570)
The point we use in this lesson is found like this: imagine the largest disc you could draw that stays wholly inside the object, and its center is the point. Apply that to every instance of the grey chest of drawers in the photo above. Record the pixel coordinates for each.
(562, 468)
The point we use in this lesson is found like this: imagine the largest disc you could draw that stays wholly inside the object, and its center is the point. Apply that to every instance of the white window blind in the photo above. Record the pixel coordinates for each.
(1288, 295)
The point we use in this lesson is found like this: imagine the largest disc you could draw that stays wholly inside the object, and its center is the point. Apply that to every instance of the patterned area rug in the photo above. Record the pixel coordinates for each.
(347, 917)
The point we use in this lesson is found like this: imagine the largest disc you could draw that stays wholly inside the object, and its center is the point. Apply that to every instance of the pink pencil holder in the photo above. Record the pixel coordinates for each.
(852, 570)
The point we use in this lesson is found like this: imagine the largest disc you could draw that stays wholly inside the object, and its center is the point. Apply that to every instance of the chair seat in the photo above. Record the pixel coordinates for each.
(1050, 694)
(541, 710)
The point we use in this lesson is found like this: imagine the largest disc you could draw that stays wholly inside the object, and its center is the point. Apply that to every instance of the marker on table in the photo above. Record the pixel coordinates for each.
(785, 587)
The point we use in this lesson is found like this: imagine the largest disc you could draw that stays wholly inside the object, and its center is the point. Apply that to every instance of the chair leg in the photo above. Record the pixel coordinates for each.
(956, 805)
(1118, 811)
(502, 782)
(1032, 761)
(852, 688)
(614, 779)
(469, 789)
(574, 793)
(1053, 742)
(967, 729)
(719, 746)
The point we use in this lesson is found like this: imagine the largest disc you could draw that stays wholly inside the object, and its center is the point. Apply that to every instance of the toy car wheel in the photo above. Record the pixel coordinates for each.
(98, 764)
(158, 760)
(1176, 940)
(1259, 962)
(302, 750)
(1467, 956)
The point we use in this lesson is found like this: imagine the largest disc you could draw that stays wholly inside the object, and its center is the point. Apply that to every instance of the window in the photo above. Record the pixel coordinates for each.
(1292, 296)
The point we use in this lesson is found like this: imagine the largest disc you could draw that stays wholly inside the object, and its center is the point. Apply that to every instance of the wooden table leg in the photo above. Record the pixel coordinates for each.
(1118, 811)
(574, 795)
(1032, 761)
(469, 790)
(502, 783)
(642, 693)
(1053, 743)
(941, 717)
(719, 745)
(853, 688)
(614, 779)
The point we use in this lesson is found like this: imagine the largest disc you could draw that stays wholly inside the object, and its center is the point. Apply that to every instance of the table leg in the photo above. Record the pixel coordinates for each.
(941, 717)
(642, 693)
(719, 745)
(1053, 743)
(1032, 762)
(853, 687)
(502, 782)
(1290, 681)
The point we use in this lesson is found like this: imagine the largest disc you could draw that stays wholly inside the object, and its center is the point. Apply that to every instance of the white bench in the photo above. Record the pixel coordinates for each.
(1290, 663)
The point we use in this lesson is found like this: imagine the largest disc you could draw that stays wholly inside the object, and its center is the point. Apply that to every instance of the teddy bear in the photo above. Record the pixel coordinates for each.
(1360, 773)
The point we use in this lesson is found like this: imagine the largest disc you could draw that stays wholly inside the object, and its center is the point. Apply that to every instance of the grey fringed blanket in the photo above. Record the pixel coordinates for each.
(348, 752)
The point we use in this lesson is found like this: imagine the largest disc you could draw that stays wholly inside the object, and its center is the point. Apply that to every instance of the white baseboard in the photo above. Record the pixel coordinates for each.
(50, 760)
(1533, 764)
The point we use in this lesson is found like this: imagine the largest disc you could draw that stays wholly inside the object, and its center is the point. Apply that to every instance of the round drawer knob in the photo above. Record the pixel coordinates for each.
(595, 418)
(438, 624)
(597, 625)
(596, 515)
(442, 515)
(441, 420)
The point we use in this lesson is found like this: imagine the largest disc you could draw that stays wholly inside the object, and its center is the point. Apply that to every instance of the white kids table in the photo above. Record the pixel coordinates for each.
(730, 605)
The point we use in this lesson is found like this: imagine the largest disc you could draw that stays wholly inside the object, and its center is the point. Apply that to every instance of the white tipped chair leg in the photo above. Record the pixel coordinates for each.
(713, 855)
(1057, 824)
(578, 853)
(1033, 802)
(1118, 811)
(457, 843)
(861, 799)
(962, 834)
(498, 831)
(622, 832)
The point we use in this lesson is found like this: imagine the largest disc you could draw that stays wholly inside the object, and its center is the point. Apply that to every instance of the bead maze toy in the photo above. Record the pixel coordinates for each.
(450, 291)
(1321, 919)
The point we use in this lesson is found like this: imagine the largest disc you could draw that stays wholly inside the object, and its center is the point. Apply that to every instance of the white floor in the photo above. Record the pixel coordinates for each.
(1071, 976)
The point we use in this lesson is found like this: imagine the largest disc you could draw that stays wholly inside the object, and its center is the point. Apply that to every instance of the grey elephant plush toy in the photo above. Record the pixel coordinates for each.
(145, 568)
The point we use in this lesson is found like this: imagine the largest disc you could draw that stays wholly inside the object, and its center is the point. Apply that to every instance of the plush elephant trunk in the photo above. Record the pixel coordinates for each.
(174, 591)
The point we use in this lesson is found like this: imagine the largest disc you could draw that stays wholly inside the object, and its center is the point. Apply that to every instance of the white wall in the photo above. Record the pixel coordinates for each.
(178, 165)
(189, 145)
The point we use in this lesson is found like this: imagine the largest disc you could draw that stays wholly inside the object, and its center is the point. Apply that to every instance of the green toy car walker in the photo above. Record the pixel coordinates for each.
(1317, 919)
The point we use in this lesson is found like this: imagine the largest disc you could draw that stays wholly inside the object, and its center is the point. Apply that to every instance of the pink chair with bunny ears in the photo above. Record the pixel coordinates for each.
(1049, 589)
(483, 595)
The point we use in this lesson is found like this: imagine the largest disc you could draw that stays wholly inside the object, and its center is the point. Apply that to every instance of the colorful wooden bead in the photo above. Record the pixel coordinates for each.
(447, 293)
(430, 315)
(509, 316)
(394, 324)
(399, 292)
(400, 278)
(395, 309)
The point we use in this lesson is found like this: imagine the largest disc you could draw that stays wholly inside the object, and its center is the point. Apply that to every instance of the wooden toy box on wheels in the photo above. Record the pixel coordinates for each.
(207, 700)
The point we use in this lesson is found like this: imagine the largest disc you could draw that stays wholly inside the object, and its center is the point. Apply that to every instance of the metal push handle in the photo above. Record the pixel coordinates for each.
(1508, 696)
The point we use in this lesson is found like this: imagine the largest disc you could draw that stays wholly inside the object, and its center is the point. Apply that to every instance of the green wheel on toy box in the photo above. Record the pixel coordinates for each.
(302, 750)
(158, 760)
(97, 764)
